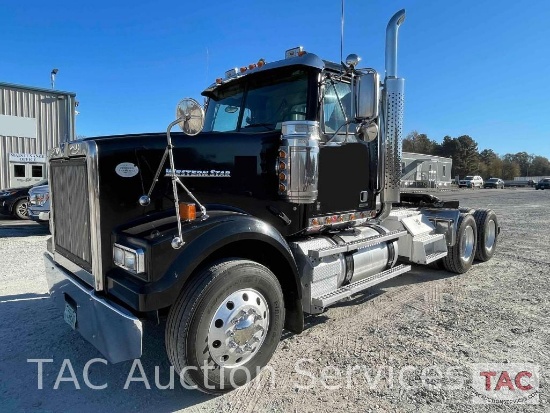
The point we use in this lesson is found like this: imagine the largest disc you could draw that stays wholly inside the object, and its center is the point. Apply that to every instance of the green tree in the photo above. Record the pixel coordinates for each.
(418, 143)
(540, 166)
(490, 164)
(524, 160)
(463, 151)
(468, 155)
(510, 167)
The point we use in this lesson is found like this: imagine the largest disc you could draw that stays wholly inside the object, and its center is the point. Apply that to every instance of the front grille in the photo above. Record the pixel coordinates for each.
(71, 210)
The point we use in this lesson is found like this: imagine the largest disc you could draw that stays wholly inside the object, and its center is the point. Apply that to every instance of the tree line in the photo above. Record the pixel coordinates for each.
(467, 160)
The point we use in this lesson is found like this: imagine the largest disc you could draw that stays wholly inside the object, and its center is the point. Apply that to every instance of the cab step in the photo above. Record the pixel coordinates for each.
(354, 245)
(435, 256)
(343, 292)
(427, 248)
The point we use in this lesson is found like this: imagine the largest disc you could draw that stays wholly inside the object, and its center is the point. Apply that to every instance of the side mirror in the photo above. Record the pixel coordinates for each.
(190, 116)
(368, 90)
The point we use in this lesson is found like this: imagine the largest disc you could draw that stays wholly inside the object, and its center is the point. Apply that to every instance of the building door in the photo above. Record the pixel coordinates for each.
(419, 171)
(25, 174)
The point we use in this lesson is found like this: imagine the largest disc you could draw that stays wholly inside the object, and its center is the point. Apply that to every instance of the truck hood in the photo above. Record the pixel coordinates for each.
(42, 189)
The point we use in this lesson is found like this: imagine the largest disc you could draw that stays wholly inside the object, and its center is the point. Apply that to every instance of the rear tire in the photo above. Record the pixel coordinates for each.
(229, 318)
(21, 209)
(461, 255)
(487, 234)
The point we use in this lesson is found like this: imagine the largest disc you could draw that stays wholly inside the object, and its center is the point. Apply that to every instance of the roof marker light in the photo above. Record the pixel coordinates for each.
(231, 73)
(294, 52)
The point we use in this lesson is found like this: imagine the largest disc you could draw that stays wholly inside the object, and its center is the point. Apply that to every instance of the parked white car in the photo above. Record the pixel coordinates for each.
(471, 181)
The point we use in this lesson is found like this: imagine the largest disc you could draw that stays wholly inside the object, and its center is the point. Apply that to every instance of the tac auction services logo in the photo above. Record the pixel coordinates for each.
(505, 383)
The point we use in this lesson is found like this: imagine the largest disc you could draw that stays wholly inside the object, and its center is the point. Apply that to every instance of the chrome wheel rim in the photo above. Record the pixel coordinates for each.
(467, 244)
(490, 235)
(238, 328)
(22, 209)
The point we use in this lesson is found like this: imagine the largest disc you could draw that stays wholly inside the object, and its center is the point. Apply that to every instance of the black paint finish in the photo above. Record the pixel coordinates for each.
(343, 174)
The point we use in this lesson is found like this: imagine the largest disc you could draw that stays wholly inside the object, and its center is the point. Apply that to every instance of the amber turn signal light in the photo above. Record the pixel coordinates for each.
(188, 211)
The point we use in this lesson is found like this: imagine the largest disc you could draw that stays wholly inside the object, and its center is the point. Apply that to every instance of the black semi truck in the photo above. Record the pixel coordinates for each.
(279, 199)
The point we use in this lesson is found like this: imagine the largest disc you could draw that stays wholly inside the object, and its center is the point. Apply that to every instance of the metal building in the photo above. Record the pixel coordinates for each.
(426, 171)
(32, 121)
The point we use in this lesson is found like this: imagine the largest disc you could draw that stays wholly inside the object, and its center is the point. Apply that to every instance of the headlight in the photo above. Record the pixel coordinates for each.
(129, 259)
(39, 199)
(118, 256)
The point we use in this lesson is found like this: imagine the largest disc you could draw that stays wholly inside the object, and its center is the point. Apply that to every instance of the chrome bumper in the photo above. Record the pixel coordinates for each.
(113, 330)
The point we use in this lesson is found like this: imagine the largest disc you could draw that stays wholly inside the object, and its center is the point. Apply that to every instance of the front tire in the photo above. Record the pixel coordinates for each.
(225, 326)
(461, 255)
(21, 209)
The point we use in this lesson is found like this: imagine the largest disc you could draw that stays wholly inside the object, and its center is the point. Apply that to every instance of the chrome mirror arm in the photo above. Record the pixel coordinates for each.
(145, 200)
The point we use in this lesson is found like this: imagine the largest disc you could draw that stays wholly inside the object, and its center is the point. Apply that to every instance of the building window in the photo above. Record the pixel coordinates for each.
(444, 170)
(402, 167)
(430, 168)
(18, 171)
(37, 171)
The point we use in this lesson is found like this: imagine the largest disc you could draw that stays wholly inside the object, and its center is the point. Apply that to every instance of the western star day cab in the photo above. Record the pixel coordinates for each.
(279, 199)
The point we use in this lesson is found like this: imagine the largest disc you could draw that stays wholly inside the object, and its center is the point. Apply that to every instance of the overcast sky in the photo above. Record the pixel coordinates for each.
(475, 67)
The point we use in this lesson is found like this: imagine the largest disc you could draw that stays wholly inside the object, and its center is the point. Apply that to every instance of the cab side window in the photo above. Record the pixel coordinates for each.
(336, 106)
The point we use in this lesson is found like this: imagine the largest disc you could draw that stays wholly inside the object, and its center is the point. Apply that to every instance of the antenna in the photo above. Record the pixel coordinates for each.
(342, 33)
(206, 80)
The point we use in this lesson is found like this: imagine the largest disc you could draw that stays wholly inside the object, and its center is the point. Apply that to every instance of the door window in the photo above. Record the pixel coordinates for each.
(18, 171)
(37, 171)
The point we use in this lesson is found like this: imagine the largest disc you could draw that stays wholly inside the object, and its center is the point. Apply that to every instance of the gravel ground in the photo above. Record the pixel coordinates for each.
(495, 313)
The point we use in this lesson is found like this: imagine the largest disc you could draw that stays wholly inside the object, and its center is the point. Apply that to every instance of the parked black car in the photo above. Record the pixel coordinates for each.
(15, 201)
(543, 184)
(494, 183)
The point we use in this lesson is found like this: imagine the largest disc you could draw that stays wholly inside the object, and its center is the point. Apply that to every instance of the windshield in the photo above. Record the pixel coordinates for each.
(469, 178)
(258, 103)
(493, 180)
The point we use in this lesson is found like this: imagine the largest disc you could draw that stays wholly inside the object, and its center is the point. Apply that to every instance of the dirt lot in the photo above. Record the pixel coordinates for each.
(496, 313)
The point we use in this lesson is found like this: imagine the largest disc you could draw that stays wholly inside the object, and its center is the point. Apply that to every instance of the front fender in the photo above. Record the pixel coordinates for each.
(202, 243)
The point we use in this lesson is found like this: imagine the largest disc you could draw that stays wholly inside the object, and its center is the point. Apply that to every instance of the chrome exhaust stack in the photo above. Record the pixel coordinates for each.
(392, 104)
